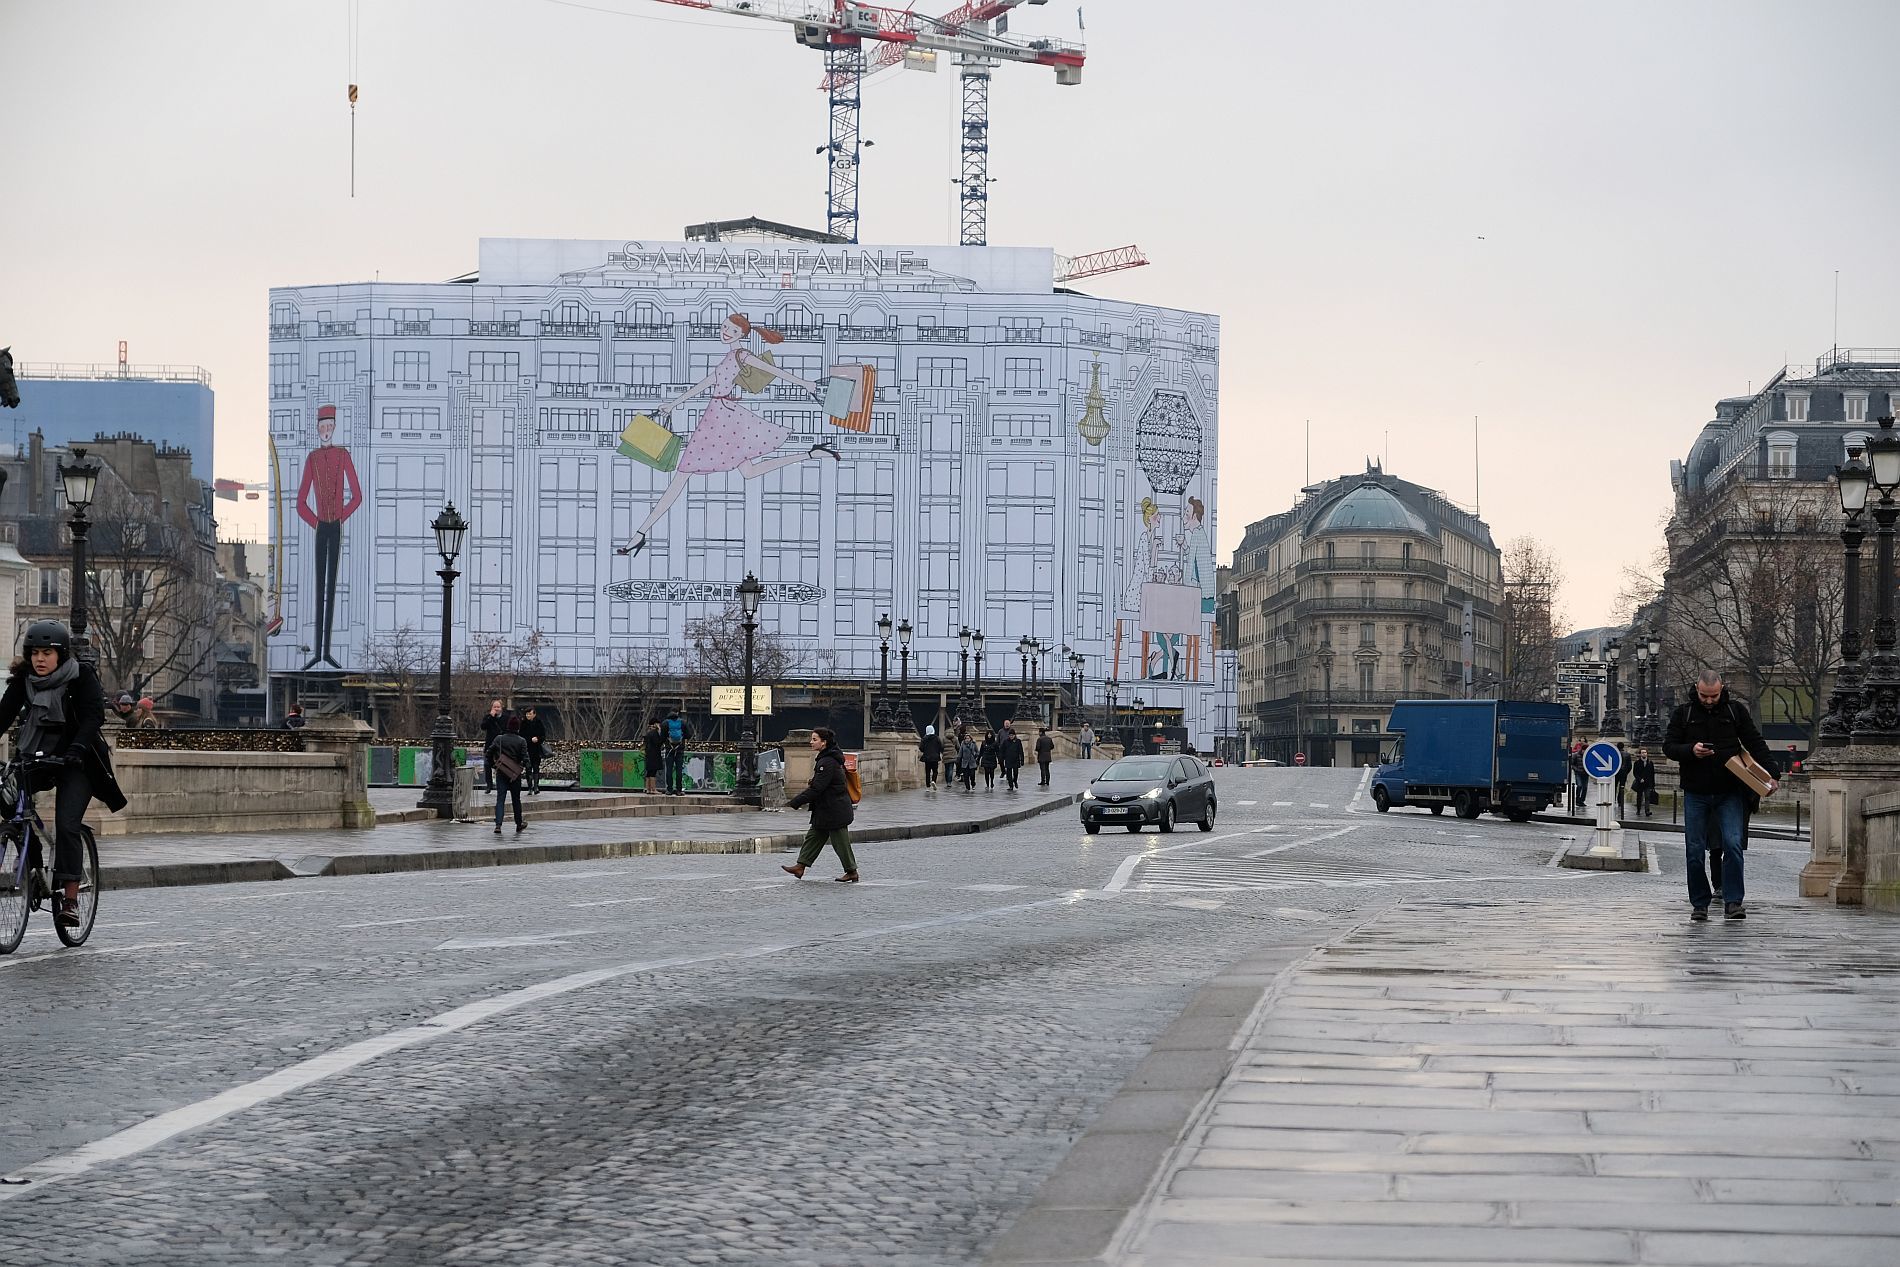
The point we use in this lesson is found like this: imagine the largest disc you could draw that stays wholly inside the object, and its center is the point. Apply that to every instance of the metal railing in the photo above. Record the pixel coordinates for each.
(77, 371)
(494, 328)
(1378, 563)
(1371, 607)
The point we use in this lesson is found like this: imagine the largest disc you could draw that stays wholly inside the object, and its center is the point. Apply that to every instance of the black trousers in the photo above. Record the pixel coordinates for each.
(71, 796)
(329, 549)
(930, 773)
(506, 788)
(1044, 767)
(533, 773)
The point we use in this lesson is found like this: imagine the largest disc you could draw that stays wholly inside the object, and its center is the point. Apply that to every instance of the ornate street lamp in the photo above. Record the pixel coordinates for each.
(1639, 695)
(903, 670)
(80, 480)
(1612, 714)
(962, 679)
(976, 645)
(1656, 723)
(450, 528)
(1878, 722)
(1076, 664)
(1025, 647)
(1110, 689)
(881, 719)
(1325, 658)
(1843, 702)
(746, 786)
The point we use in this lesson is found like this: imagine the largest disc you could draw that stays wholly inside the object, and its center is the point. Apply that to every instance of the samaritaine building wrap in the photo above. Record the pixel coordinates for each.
(934, 432)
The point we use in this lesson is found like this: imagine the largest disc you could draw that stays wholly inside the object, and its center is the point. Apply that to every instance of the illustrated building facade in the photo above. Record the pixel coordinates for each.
(1015, 459)
(1358, 596)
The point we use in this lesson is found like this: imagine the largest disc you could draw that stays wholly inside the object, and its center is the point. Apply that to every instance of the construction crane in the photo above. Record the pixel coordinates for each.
(1072, 268)
(974, 32)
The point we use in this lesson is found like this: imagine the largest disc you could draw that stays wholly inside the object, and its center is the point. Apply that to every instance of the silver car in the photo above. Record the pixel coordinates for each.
(1162, 790)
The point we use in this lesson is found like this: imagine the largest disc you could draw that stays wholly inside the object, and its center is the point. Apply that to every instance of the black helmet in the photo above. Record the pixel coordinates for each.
(48, 633)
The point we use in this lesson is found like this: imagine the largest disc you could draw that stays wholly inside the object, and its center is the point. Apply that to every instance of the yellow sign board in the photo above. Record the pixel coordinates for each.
(729, 701)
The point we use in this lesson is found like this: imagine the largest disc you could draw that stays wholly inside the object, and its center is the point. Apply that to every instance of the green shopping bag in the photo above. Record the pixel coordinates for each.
(647, 441)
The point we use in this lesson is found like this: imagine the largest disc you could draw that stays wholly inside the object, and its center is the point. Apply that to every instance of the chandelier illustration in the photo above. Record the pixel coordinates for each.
(1093, 423)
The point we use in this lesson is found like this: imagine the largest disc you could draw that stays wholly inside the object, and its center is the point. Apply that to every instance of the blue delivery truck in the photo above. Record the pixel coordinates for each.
(1475, 755)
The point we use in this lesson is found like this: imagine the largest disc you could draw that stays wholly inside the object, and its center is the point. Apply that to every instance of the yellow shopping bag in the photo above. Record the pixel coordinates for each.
(753, 379)
(647, 441)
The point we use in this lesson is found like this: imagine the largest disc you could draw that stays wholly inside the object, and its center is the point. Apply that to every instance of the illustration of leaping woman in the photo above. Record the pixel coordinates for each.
(728, 436)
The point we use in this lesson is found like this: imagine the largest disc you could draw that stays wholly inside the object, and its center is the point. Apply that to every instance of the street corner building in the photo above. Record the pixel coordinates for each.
(631, 426)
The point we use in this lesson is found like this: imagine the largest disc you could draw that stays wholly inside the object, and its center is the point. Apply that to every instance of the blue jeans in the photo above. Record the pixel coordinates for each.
(675, 769)
(505, 788)
(1713, 820)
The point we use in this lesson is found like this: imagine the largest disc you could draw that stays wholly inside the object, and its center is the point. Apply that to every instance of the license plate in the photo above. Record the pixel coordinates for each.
(1114, 809)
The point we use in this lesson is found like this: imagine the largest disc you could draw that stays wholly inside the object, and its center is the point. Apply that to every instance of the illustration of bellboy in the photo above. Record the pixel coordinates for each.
(329, 494)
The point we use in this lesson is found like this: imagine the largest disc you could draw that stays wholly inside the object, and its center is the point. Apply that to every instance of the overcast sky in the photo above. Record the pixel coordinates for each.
(1581, 223)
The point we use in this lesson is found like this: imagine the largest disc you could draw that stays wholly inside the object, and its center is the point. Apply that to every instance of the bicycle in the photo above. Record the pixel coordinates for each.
(26, 882)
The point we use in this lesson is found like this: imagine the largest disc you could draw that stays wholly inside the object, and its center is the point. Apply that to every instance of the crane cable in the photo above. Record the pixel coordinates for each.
(353, 28)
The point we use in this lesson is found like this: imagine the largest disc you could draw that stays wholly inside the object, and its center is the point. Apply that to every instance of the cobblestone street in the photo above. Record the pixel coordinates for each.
(699, 1059)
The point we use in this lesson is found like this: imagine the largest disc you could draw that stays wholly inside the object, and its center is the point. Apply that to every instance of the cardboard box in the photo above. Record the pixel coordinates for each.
(1750, 772)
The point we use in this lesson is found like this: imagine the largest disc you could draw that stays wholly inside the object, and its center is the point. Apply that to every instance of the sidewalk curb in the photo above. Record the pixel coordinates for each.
(170, 875)
(1755, 829)
(1109, 1172)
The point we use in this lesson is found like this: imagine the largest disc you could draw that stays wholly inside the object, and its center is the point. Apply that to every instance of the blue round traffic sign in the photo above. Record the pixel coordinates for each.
(1601, 760)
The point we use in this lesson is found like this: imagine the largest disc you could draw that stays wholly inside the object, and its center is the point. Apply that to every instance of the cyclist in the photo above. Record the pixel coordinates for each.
(64, 707)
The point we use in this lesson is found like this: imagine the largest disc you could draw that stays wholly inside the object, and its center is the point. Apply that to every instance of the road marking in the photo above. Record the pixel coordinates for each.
(612, 901)
(1199, 903)
(1317, 805)
(990, 888)
(1311, 840)
(1282, 804)
(887, 884)
(502, 943)
(288, 892)
(137, 923)
(15, 961)
(414, 919)
(157, 1130)
(1127, 868)
(1359, 793)
(1249, 802)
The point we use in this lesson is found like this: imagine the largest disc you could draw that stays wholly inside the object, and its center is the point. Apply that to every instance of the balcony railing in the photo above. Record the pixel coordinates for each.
(1378, 563)
(943, 334)
(412, 327)
(570, 390)
(71, 370)
(577, 329)
(286, 329)
(336, 329)
(643, 329)
(1350, 604)
(868, 334)
(494, 328)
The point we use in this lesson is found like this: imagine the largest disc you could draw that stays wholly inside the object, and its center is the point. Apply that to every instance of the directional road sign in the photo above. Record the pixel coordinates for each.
(1579, 674)
(1602, 760)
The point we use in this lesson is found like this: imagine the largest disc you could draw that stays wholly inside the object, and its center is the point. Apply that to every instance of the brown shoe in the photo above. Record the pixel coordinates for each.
(795, 871)
(849, 877)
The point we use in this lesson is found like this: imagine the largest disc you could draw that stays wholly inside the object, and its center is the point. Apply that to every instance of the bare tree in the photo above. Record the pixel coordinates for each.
(401, 663)
(153, 597)
(1759, 595)
(717, 651)
(491, 667)
(1533, 617)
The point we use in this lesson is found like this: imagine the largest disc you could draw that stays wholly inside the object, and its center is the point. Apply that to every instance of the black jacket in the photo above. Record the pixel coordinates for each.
(830, 802)
(1012, 752)
(1045, 748)
(534, 732)
(1642, 774)
(513, 745)
(1728, 729)
(653, 745)
(80, 737)
(492, 728)
(986, 755)
(931, 749)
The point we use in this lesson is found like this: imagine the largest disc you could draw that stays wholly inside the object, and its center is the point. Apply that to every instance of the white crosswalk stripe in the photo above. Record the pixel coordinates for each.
(1186, 873)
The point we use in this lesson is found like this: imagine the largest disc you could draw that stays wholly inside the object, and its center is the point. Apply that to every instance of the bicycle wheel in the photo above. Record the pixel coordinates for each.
(15, 904)
(88, 894)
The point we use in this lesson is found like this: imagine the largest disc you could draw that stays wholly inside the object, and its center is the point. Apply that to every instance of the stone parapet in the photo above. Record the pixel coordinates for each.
(203, 792)
(1881, 813)
(1850, 787)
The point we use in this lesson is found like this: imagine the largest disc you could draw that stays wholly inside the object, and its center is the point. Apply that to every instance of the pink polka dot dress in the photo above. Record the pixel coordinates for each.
(728, 435)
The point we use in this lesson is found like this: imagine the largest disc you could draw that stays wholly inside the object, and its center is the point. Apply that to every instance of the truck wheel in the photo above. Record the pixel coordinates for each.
(1380, 798)
(1518, 815)
(1438, 809)
(1464, 804)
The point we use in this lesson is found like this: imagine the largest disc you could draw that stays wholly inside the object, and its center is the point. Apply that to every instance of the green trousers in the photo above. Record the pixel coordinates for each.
(840, 841)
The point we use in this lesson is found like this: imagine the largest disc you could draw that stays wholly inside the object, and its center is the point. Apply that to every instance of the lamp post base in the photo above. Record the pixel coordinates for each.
(439, 794)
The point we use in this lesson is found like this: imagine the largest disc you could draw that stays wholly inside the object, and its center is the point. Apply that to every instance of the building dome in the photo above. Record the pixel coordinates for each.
(1371, 507)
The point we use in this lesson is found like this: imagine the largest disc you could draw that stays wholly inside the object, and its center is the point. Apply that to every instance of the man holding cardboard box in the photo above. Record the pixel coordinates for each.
(1724, 766)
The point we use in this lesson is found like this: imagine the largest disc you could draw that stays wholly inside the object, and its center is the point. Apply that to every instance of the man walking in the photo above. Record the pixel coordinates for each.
(1045, 752)
(1703, 734)
(653, 750)
(1011, 754)
(329, 494)
(930, 749)
(1643, 781)
(1086, 737)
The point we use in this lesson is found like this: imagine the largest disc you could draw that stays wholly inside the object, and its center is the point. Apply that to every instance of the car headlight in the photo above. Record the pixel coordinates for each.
(1152, 794)
(1088, 793)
